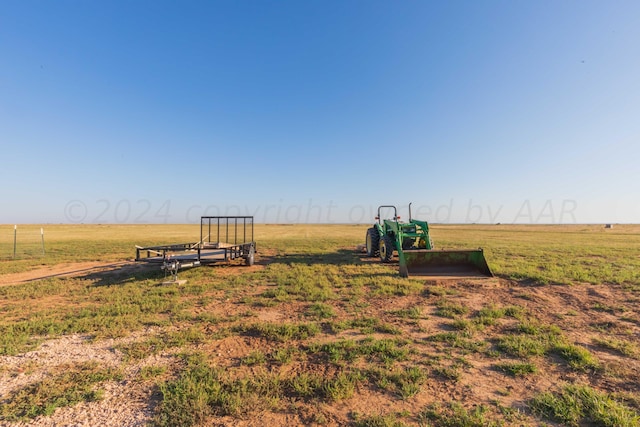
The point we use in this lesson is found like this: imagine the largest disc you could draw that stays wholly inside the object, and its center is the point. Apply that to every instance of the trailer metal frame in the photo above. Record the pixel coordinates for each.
(238, 242)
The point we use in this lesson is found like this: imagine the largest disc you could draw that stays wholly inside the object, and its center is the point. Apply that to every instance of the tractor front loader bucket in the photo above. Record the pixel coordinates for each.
(433, 262)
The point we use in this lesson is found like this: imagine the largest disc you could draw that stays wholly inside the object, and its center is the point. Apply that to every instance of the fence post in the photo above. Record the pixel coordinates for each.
(15, 240)
(42, 234)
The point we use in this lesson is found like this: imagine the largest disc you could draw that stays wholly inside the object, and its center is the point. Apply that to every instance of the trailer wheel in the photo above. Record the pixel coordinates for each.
(250, 258)
(386, 248)
(372, 242)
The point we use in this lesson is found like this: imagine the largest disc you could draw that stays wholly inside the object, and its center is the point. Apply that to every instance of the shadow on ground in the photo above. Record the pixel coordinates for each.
(125, 274)
(340, 257)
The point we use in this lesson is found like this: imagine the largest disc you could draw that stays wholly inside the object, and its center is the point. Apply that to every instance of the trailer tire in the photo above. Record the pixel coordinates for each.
(386, 248)
(250, 258)
(372, 242)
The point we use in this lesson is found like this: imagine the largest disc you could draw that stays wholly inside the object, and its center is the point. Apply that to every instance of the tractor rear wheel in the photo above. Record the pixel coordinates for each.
(386, 248)
(372, 242)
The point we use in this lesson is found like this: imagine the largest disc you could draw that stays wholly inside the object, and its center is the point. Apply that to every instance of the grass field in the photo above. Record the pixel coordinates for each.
(317, 334)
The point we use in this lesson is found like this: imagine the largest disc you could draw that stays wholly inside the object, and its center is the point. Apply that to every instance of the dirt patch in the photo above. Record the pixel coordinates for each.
(64, 270)
(229, 270)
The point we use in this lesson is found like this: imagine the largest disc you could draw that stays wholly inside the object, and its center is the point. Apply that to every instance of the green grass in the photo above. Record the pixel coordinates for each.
(464, 325)
(338, 387)
(302, 282)
(456, 415)
(282, 332)
(458, 340)
(152, 372)
(102, 311)
(534, 339)
(624, 347)
(284, 355)
(569, 254)
(256, 357)
(576, 405)
(342, 351)
(378, 421)
(408, 313)
(320, 311)
(202, 391)
(73, 384)
(448, 373)
(366, 325)
(306, 384)
(138, 350)
(488, 316)
(407, 381)
(523, 345)
(517, 369)
(579, 358)
(450, 309)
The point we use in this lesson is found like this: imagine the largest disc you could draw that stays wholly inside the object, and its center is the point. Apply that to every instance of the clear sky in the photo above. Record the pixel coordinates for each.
(319, 111)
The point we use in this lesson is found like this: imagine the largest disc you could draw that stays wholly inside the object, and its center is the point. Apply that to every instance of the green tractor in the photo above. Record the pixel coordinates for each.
(416, 254)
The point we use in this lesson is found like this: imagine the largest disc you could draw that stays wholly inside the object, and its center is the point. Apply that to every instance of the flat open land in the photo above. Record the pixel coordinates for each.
(316, 333)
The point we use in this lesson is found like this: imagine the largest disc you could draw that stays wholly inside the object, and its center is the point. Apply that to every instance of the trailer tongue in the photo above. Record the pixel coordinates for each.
(416, 253)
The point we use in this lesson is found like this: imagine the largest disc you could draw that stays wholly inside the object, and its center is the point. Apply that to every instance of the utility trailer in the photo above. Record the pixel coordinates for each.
(222, 238)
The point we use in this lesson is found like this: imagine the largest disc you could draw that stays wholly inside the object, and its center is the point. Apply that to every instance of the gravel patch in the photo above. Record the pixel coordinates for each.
(129, 402)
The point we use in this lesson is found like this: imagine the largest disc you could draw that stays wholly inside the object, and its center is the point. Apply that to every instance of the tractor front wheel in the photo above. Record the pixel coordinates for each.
(372, 242)
(386, 248)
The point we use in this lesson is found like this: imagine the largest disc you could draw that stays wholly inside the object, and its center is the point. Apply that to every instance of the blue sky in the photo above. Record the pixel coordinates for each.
(319, 111)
